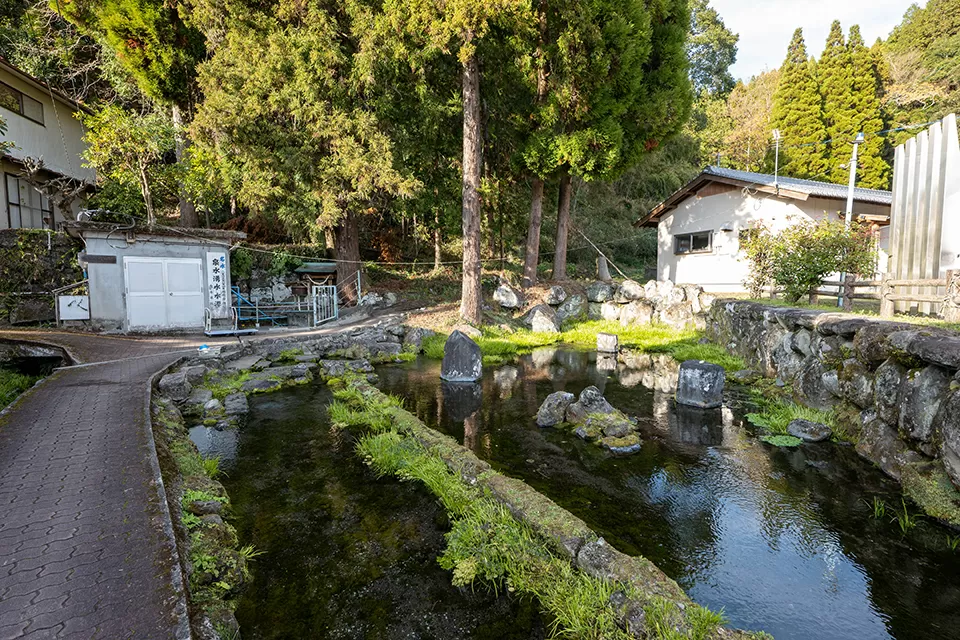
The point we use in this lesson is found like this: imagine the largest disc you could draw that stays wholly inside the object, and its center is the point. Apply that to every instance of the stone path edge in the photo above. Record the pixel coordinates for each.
(181, 609)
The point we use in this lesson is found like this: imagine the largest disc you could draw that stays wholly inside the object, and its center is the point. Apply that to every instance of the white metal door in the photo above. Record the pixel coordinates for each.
(146, 293)
(184, 293)
(163, 293)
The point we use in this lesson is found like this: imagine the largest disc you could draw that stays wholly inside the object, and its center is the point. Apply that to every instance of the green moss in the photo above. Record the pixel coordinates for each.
(289, 355)
(223, 385)
(489, 545)
(928, 484)
(782, 441)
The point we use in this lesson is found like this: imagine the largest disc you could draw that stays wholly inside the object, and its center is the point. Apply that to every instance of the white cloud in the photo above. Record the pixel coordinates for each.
(766, 27)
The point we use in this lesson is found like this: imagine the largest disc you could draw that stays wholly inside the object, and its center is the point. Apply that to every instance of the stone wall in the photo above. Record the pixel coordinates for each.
(33, 263)
(679, 306)
(895, 387)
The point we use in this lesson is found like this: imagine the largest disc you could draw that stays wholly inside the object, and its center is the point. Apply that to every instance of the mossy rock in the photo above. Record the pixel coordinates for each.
(928, 484)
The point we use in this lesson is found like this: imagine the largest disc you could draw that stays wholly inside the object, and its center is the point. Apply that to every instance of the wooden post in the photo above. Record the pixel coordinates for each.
(848, 293)
(886, 292)
(951, 305)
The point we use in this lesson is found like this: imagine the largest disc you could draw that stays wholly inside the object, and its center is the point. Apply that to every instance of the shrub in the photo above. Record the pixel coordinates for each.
(798, 258)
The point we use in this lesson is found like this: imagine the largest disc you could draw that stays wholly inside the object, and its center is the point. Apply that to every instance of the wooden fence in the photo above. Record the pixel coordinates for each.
(926, 296)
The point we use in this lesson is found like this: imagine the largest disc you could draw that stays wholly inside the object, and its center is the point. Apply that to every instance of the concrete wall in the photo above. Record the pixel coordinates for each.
(44, 140)
(108, 307)
(722, 269)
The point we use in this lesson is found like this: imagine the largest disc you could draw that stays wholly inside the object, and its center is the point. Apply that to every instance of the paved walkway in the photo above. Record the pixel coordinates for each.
(85, 546)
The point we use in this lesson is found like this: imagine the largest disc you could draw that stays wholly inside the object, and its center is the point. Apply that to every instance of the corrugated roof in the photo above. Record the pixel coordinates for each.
(784, 187)
(812, 187)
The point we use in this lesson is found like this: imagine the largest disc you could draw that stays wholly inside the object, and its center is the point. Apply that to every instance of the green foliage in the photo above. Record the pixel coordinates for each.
(873, 170)
(211, 467)
(835, 76)
(904, 519)
(776, 414)
(798, 114)
(800, 256)
(782, 441)
(241, 264)
(223, 386)
(711, 49)
(879, 507)
(12, 384)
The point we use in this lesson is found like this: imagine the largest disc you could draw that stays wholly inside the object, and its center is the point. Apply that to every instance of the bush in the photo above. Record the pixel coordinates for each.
(798, 258)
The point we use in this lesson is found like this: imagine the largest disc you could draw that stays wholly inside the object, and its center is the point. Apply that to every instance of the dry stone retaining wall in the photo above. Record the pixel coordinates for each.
(680, 306)
(895, 386)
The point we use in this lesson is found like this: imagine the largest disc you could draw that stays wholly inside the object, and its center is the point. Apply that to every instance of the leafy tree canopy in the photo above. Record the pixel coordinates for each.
(712, 50)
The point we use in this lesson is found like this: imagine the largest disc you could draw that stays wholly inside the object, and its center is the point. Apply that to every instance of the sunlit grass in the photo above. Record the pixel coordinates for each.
(775, 415)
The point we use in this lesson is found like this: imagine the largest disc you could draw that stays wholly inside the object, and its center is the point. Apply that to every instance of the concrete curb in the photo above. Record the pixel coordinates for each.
(181, 630)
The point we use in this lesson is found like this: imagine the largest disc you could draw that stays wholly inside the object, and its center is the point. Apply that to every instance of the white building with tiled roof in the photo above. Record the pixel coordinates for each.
(698, 227)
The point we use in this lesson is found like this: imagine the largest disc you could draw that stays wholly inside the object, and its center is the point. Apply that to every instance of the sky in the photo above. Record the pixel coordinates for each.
(766, 26)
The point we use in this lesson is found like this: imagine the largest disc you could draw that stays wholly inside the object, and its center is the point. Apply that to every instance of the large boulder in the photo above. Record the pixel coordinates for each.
(573, 308)
(236, 404)
(462, 361)
(676, 314)
(611, 311)
(809, 431)
(812, 386)
(630, 290)
(871, 345)
(554, 409)
(700, 384)
(887, 387)
(948, 424)
(413, 338)
(556, 295)
(608, 343)
(881, 444)
(600, 292)
(636, 312)
(856, 383)
(920, 401)
(175, 386)
(507, 297)
(621, 445)
(591, 401)
(543, 319)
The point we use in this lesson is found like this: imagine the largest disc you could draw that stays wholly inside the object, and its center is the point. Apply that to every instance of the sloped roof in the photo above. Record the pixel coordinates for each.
(785, 187)
(42, 86)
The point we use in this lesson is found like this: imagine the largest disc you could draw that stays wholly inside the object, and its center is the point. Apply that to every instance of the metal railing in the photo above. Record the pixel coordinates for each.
(326, 304)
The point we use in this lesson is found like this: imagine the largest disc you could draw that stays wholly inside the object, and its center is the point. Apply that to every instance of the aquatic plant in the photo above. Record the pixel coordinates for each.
(879, 507)
(905, 519)
(249, 552)
(211, 467)
(782, 441)
(953, 542)
(776, 414)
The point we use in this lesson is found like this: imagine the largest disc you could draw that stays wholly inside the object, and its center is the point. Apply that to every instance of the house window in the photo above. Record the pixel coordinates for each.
(17, 102)
(27, 208)
(700, 242)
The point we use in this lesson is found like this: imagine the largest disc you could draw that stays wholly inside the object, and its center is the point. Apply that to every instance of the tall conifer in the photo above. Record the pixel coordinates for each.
(797, 113)
(873, 172)
(835, 73)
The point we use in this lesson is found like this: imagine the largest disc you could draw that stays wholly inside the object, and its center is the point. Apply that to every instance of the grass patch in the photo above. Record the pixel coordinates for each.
(488, 546)
(497, 345)
(12, 384)
(776, 414)
(223, 386)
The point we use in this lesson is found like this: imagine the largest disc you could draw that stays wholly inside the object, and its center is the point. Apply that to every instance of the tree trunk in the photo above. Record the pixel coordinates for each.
(563, 228)
(436, 241)
(531, 254)
(470, 295)
(188, 212)
(347, 250)
(147, 197)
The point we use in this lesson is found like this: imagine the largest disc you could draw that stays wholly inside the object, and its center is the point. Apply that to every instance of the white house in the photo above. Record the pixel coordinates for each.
(41, 123)
(699, 226)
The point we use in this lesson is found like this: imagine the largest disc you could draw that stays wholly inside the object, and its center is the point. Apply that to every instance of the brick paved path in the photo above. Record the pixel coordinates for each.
(85, 546)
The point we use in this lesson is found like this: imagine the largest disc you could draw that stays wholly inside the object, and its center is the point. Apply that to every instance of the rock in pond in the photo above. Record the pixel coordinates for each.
(554, 408)
(236, 404)
(809, 431)
(462, 361)
(507, 297)
(591, 401)
(175, 386)
(608, 343)
(260, 386)
(623, 446)
(700, 384)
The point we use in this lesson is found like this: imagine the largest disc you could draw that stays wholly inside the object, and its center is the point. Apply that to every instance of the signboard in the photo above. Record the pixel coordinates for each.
(218, 284)
(96, 259)
(74, 307)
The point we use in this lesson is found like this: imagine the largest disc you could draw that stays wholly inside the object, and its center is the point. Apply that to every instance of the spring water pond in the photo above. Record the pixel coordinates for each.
(345, 555)
(784, 540)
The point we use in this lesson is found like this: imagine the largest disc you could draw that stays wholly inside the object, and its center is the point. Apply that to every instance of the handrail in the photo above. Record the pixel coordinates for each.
(75, 285)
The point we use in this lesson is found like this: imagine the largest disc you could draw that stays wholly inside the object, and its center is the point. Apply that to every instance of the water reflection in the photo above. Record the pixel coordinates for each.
(782, 539)
(214, 443)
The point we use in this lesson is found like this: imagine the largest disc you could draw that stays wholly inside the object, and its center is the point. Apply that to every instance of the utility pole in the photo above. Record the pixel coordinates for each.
(848, 218)
(776, 162)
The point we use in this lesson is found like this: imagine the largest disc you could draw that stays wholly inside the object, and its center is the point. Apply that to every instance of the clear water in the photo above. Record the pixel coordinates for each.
(345, 555)
(784, 540)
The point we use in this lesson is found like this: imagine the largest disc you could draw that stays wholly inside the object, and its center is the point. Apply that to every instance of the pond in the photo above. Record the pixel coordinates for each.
(344, 555)
(784, 540)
